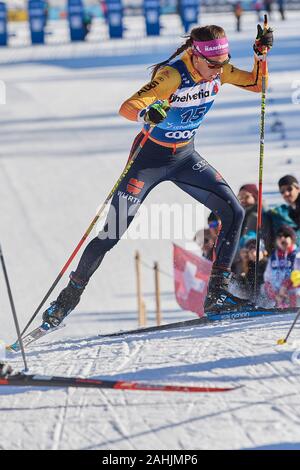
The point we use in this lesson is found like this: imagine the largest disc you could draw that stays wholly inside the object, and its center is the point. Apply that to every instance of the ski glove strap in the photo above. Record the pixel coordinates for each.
(264, 40)
(157, 112)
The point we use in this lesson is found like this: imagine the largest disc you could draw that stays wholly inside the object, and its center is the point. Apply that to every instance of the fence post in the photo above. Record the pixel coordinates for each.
(140, 301)
(144, 314)
(157, 293)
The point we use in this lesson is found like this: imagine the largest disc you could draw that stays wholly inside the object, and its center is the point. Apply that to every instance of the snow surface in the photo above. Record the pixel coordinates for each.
(63, 145)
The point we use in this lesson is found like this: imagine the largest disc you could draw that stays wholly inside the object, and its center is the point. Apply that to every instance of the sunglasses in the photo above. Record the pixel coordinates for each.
(288, 189)
(213, 64)
(213, 224)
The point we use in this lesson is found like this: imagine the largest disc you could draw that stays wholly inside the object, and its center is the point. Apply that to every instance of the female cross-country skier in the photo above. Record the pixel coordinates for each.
(175, 102)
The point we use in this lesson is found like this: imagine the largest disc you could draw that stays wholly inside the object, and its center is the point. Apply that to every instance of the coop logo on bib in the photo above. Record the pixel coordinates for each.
(181, 134)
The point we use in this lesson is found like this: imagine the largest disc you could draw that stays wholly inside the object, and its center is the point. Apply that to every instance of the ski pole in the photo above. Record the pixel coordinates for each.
(284, 340)
(91, 226)
(261, 164)
(12, 305)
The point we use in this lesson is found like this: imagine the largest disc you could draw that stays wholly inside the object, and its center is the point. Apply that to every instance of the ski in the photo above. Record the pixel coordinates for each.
(207, 319)
(24, 380)
(34, 335)
(44, 329)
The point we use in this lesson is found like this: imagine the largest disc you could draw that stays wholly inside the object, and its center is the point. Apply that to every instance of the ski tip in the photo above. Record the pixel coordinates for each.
(237, 387)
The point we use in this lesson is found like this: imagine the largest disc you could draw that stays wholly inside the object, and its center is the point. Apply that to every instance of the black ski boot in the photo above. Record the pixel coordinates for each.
(218, 298)
(65, 303)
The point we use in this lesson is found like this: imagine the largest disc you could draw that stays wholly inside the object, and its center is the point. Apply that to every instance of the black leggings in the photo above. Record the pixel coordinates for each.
(190, 172)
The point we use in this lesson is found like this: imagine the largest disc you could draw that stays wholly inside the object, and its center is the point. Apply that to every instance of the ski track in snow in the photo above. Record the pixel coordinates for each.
(62, 147)
(243, 352)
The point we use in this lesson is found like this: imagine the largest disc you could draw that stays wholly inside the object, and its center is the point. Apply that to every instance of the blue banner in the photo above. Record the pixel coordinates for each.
(152, 14)
(75, 17)
(3, 24)
(115, 18)
(189, 11)
(37, 16)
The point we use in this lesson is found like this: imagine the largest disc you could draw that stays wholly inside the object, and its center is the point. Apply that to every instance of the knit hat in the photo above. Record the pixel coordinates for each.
(287, 231)
(248, 241)
(287, 180)
(250, 244)
(250, 188)
(251, 235)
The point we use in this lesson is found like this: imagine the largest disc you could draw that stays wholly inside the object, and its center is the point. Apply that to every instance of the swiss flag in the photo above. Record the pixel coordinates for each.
(191, 275)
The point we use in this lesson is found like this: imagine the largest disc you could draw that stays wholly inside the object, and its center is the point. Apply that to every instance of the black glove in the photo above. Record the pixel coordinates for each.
(263, 41)
(157, 112)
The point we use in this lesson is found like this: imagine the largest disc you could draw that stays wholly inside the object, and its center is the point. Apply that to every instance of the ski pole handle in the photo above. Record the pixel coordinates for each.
(264, 61)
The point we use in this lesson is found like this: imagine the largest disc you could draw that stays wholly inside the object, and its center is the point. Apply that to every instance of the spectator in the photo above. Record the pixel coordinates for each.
(285, 214)
(258, 6)
(214, 225)
(104, 10)
(208, 246)
(278, 285)
(87, 23)
(207, 238)
(246, 279)
(238, 11)
(281, 5)
(46, 12)
(247, 196)
(268, 7)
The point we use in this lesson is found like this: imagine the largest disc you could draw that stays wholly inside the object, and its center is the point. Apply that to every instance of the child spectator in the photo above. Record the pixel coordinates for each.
(247, 196)
(278, 285)
(208, 245)
(214, 225)
(248, 276)
(285, 214)
(207, 238)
